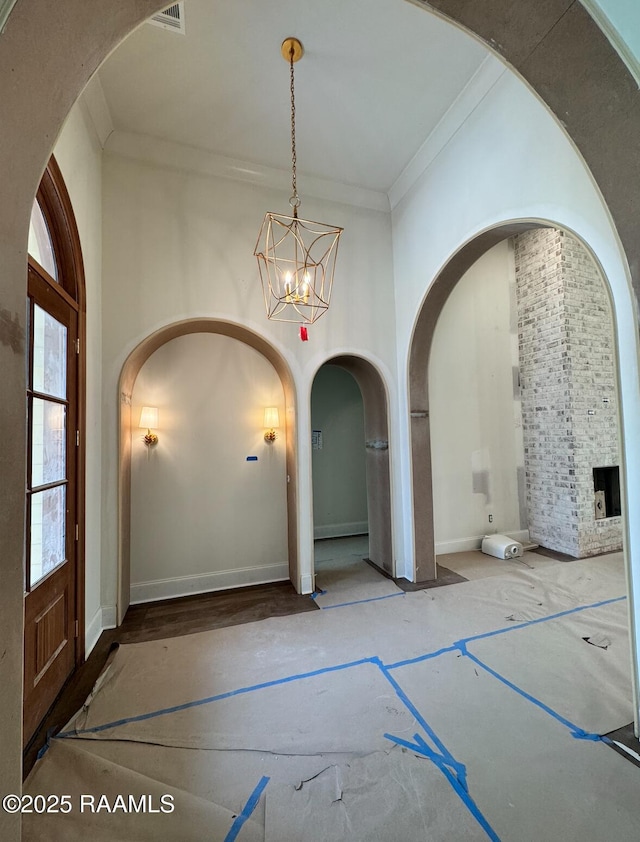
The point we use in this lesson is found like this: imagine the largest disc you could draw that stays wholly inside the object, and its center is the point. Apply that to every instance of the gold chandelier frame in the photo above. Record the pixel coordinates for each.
(296, 257)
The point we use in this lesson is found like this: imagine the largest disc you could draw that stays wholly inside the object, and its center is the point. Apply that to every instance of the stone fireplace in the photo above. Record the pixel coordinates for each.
(569, 396)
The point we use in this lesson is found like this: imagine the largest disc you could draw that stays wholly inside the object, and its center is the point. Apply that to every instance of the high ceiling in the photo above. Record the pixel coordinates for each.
(376, 78)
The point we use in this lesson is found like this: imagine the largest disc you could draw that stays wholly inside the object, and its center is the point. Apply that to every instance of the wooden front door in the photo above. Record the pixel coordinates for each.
(51, 649)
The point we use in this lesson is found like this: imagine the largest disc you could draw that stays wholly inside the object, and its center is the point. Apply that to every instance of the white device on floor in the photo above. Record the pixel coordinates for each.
(501, 546)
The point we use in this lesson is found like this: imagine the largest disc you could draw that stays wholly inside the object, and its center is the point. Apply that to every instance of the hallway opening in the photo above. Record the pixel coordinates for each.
(351, 487)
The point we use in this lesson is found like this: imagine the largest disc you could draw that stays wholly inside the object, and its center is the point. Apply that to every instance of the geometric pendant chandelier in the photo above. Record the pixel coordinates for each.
(296, 257)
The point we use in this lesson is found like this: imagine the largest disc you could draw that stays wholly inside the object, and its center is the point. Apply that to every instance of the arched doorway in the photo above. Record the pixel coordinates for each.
(475, 412)
(432, 307)
(54, 553)
(130, 372)
(376, 459)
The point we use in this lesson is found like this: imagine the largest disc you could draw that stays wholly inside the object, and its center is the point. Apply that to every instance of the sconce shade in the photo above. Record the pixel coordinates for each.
(149, 418)
(271, 418)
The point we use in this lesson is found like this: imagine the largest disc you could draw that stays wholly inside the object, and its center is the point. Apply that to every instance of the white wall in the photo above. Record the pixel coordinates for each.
(202, 516)
(339, 468)
(474, 408)
(179, 244)
(79, 154)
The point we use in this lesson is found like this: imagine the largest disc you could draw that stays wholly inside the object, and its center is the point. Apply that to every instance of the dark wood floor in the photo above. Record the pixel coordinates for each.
(158, 620)
(626, 737)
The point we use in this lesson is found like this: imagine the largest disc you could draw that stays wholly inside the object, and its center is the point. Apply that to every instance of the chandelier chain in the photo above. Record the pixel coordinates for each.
(294, 200)
(296, 257)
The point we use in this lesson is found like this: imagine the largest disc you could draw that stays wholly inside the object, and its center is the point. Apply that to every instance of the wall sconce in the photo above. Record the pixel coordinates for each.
(271, 422)
(149, 420)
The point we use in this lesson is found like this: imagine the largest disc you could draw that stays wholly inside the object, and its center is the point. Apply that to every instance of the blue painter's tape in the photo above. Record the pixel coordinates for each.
(576, 732)
(360, 601)
(252, 458)
(228, 695)
(579, 734)
(461, 646)
(420, 658)
(414, 710)
(420, 747)
(454, 772)
(318, 593)
(459, 768)
(248, 809)
(471, 805)
(542, 619)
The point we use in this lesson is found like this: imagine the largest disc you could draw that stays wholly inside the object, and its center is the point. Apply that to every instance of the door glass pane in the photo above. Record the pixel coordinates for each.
(40, 245)
(47, 531)
(48, 451)
(49, 354)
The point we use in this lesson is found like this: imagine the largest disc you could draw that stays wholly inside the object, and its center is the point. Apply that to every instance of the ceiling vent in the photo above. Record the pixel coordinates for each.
(171, 18)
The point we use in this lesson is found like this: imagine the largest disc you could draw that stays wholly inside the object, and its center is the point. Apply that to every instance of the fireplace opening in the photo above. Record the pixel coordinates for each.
(606, 486)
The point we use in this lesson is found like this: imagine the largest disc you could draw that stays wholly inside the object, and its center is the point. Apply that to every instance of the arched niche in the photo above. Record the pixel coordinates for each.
(130, 370)
(376, 428)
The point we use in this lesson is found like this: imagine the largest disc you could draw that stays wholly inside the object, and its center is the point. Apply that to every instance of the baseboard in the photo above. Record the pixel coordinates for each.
(104, 618)
(206, 582)
(92, 632)
(109, 617)
(465, 544)
(341, 530)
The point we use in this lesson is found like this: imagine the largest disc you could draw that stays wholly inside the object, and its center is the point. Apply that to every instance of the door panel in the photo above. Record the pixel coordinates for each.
(49, 644)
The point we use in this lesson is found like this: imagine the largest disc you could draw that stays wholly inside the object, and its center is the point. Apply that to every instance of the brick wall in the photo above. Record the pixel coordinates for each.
(568, 391)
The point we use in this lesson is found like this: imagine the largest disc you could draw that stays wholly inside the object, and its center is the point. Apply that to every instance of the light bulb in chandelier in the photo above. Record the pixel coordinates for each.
(296, 290)
(296, 257)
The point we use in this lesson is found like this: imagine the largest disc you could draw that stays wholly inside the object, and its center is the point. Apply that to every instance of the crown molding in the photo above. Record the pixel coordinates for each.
(98, 108)
(458, 112)
(192, 159)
